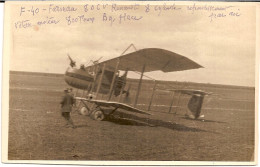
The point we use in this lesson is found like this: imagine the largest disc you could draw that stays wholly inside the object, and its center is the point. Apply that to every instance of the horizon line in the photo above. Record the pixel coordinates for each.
(208, 83)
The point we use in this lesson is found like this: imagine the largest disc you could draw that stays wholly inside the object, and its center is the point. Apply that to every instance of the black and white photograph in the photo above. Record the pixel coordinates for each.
(130, 83)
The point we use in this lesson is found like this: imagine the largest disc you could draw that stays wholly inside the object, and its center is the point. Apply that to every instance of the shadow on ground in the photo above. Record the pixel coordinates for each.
(139, 121)
(81, 126)
(202, 120)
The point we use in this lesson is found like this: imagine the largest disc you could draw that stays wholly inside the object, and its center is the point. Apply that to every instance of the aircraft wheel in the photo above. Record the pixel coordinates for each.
(84, 111)
(98, 115)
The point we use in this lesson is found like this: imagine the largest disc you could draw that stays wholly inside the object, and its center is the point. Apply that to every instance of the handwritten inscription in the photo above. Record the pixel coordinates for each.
(56, 8)
(215, 12)
(48, 20)
(23, 24)
(166, 8)
(112, 14)
(79, 19)
(95, 7)
(126, 17)
(51, 9)
(115, 7)
(208, 8)
(108, 18)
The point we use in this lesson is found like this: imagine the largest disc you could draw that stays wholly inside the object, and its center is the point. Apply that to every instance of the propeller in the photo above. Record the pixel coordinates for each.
(72, 62)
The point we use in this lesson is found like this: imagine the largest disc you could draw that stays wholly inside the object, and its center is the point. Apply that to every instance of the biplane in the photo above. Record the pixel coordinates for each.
(105, 84)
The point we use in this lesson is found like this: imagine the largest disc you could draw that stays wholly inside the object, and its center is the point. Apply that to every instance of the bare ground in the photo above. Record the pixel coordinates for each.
(37, 132)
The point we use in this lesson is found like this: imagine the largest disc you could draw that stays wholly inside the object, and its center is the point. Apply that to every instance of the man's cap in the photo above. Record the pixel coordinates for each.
(68, 90)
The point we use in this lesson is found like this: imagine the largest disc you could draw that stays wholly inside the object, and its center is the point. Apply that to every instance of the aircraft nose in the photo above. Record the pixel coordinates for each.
(77, 79)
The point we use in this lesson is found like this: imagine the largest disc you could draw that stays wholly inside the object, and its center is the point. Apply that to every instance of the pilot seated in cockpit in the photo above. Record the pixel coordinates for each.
(82, 67)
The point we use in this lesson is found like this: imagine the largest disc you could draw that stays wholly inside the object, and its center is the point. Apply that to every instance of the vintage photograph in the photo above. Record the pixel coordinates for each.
(145, 82)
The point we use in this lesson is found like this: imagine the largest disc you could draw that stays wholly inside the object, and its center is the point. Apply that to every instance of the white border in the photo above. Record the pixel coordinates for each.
(5, 96)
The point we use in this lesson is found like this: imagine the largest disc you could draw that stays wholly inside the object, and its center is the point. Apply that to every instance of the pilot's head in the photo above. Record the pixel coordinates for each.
(69, 90)
(82, 67)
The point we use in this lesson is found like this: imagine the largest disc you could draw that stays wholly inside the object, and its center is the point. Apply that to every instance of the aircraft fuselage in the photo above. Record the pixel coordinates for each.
(85, 80)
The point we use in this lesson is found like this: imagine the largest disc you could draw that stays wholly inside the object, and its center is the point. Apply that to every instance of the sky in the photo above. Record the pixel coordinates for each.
(224, 46)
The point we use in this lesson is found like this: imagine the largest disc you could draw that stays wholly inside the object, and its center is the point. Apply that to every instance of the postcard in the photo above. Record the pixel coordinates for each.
(130, 83)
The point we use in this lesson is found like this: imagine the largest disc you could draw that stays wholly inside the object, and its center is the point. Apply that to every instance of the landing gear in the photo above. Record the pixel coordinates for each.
(95, 111)
(84, 111)
(98, 115)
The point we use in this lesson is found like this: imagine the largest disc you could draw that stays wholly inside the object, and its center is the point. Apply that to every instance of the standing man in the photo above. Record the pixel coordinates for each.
(66, 107)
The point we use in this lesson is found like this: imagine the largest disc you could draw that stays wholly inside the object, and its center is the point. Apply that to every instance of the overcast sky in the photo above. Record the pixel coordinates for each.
(224, 46)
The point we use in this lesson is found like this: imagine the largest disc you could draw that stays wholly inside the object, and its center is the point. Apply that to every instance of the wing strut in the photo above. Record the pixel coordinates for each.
(113, 81)
(95, 78)
(128, 48)
(170, 109)
(139, 86)
(123, 87)
(151, 100)
(178, 104)
(101, 78)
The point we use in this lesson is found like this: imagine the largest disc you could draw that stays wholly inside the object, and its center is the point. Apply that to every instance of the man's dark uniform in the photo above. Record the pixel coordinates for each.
(66, 107)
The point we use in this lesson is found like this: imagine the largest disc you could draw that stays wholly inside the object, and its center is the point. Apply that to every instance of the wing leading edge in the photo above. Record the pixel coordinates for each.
(154, 59)
(104, 103)
(118, 105)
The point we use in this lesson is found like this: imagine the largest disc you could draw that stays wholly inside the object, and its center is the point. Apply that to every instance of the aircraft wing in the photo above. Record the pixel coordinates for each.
(155, 59)
(104, 103)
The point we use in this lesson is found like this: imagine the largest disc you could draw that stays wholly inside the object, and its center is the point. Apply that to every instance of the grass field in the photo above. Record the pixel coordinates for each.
(37, 132)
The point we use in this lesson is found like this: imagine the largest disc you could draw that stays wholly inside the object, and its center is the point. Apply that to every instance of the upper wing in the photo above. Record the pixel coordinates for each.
(154, 59)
